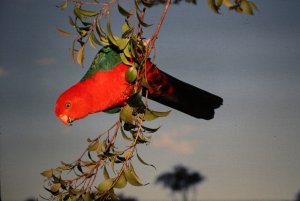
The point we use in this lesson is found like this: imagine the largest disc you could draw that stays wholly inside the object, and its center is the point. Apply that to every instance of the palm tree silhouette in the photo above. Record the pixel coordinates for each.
(180, 180)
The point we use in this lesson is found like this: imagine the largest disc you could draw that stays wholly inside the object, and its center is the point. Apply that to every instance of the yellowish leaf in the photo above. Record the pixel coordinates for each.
(62, 32)
(47, 173)
(105, 185)
(126, 114)
(227, 3)
(131, 176)
(80, 55)
(121, 182)
(93, 146)
(55, 187)
(246, 7)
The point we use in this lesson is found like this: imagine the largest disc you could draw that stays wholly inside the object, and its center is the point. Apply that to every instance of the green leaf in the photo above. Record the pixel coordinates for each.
(128, 155)
(126, 114)
(77, 13)
(131, 176)
(253, 6)
(87, 24)
(219, 3)
(53, 193)
(124, 59)
(71, 22)
(246, 7)
(104, 40)
(105, 173)
(80, 55)
(121, 182)
(148, 3)
(150, 130)
(94, 39)
(123, 11)
(161, 114)
(128, 127)
(132, 50)
(151, 115)
(125, 137)
(99, 29)
(136, 3)
(91, 42)
(125, 27)
(63, 197)
(87, 196)
(122, 43)
(47, 173)
(99, 148)
(142, 22)
(112, 110)
(76, 191)
(131, 74)
(127, 51)
(213, 6)
(66, 164)
(62, 32)
(62, 168)
(79, 168)
(105, 185)
(87, 13)
(135, 100)
(227, 3)
(55, 187)
(64, 5)
(110, 35)
(93, 146)
(143, 162)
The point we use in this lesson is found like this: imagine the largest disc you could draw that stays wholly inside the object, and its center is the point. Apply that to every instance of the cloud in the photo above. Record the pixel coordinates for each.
(45, 61)
(175, 145)
(3, 72)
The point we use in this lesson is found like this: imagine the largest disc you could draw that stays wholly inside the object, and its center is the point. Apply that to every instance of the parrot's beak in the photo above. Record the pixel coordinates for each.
(66, 120)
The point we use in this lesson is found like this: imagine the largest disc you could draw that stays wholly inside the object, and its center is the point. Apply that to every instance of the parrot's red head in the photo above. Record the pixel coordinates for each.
(72, 105)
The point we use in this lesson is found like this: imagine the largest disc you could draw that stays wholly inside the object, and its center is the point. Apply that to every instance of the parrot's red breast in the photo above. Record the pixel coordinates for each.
(105, 89)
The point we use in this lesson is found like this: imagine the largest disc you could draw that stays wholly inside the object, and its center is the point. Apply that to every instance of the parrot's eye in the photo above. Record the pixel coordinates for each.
(68, 105)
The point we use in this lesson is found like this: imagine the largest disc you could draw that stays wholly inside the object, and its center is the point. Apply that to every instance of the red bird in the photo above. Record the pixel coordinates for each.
(104, 87)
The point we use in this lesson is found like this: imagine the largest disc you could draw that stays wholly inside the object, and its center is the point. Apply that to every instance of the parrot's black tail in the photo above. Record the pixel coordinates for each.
(188, 99)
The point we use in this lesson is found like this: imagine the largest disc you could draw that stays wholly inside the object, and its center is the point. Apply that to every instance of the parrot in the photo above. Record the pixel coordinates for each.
(104, 87)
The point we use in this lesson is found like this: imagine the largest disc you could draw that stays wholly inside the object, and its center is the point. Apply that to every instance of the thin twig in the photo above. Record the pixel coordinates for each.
(153, 38)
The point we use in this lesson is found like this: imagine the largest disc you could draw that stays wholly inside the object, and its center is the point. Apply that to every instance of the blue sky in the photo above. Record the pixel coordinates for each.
(249, 151)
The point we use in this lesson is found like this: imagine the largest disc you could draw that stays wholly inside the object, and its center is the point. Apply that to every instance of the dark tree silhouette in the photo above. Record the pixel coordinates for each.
(180, 180)
(298, 197)
(122, 197)
(31, 199)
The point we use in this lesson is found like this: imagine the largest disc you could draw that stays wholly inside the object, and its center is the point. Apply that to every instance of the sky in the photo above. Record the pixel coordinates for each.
(249, 151)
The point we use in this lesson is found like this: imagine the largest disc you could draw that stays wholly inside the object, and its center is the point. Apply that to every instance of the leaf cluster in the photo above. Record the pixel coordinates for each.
(77, 180)
(240, 6)
(88, 30)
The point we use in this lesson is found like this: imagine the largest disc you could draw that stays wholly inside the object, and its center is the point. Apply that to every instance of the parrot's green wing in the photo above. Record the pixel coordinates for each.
(106, 59)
